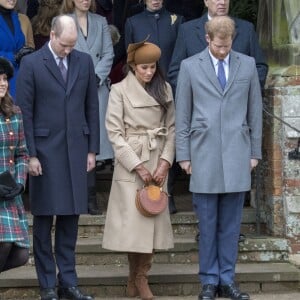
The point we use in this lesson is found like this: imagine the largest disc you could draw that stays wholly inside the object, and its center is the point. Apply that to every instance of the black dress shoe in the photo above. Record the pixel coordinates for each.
(48, 294)
(73, 293)
(233, 292)
(172, 207)
(209, 292)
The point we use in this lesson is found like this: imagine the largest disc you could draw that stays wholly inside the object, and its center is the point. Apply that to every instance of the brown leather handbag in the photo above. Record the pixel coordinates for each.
(151, 200)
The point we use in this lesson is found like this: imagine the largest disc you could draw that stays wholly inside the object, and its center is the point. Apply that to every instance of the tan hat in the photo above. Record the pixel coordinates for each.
(143, 53)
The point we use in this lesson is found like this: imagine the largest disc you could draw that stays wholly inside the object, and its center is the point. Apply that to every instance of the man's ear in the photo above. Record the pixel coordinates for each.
(207, 38)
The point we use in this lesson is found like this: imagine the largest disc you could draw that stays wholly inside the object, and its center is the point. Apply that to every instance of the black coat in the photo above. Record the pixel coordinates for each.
(161, 27)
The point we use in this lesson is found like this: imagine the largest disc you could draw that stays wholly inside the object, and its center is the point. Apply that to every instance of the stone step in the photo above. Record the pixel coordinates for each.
(183, 223)
(165, 279)
(89, 251)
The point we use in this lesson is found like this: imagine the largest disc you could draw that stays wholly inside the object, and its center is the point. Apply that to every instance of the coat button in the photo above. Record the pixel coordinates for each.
(11, 147)
(11, 133)
(11, 161)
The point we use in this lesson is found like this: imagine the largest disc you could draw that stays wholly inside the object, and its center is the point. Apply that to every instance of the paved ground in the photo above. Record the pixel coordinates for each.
(275, 296)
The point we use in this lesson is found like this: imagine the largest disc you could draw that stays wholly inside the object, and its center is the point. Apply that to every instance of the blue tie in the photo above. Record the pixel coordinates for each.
(63, 69)
(221, 74)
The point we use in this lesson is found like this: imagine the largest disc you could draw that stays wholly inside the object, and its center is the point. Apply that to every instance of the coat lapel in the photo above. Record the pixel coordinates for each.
(51, 65)
(136, 94)
(73, 69)
(209, 70)
(234, 63)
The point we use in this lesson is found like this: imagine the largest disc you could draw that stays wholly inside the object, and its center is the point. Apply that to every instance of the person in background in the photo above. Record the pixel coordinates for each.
(159, 24)
(14, 239)
(94, 38)
(11, 38)
(218, 142)
(57, 93)
(21, 6)
(140, 125)
(32, 8)
(191, 40)
(41, 22)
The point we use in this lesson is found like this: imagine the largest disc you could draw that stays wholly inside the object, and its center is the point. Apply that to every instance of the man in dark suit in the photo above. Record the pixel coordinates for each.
(218, 142)
(57, 94)
(191, 40)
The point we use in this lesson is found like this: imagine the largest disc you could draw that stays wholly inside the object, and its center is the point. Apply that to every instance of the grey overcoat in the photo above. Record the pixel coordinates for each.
(140, 132)
(99, 45)
(218, 131)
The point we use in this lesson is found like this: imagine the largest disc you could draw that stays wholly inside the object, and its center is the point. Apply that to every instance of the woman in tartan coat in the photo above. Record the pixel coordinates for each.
(14, 241)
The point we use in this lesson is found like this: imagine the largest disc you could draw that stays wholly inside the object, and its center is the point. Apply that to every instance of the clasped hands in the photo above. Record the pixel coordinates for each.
(9, 193)
(159, 175)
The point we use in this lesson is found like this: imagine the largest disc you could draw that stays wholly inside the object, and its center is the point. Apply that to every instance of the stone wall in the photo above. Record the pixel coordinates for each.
(281, 175)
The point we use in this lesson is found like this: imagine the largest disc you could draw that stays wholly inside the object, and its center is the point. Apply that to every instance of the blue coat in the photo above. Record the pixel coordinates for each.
(10, 44)
(162, 28)
(191, 40)
(61, 124)
(218, 131)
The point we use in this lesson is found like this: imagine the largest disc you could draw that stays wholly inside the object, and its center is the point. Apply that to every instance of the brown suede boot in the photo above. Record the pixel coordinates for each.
(141, 280)
(131, 290)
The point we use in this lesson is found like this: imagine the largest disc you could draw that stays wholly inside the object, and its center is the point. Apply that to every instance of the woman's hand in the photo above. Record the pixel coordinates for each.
(161, 172)
(143, 173)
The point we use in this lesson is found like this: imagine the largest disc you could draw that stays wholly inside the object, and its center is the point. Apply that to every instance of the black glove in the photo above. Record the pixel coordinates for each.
(14, 192)
(22, 52)
(4, 190)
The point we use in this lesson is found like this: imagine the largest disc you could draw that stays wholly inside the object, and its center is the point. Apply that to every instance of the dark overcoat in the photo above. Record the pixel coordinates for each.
(161, 27)
(191, 40)
(61, 125)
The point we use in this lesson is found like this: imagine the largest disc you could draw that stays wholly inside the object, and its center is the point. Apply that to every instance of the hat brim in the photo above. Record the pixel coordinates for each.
(6, 67)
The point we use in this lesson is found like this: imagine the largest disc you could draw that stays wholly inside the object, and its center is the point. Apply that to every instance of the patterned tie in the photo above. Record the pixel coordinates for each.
(221, 74)
(63, 69)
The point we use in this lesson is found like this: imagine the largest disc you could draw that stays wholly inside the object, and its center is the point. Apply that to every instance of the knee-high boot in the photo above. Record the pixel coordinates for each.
(131, 289)
(141, 280)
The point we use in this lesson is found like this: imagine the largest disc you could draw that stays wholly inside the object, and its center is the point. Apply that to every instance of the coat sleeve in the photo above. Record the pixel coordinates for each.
(169, 146)
(25, 100)
(92, 109)
(21, 154)
(178, 55)
(254, 115)
(257, 53)
(184, 109)
(124, 153)
(103, 67)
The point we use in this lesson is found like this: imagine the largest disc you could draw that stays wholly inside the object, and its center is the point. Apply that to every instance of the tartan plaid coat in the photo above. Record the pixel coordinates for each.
(13, 157)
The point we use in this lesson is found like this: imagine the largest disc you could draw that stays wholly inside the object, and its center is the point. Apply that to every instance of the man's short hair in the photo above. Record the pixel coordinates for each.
(221, 26)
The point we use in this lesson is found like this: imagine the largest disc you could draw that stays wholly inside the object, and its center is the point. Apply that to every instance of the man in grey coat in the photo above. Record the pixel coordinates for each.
(218, 142)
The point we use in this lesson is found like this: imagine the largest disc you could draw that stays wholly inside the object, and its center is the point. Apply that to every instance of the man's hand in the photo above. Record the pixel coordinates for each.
(186, 166)
(91, 161)
(253, 163)
(161, 172)
(143, 173)
(35, 168)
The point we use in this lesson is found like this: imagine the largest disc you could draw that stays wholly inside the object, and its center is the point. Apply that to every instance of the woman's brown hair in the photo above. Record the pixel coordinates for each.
(7, 106)
(68, 6)
(157, 87)
(48, 9)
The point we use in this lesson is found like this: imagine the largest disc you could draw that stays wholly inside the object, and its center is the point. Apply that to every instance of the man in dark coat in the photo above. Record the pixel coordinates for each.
(57, 94)
(159, 24)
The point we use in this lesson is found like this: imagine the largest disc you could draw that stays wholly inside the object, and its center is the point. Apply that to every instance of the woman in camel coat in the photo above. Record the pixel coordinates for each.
(140, 125)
